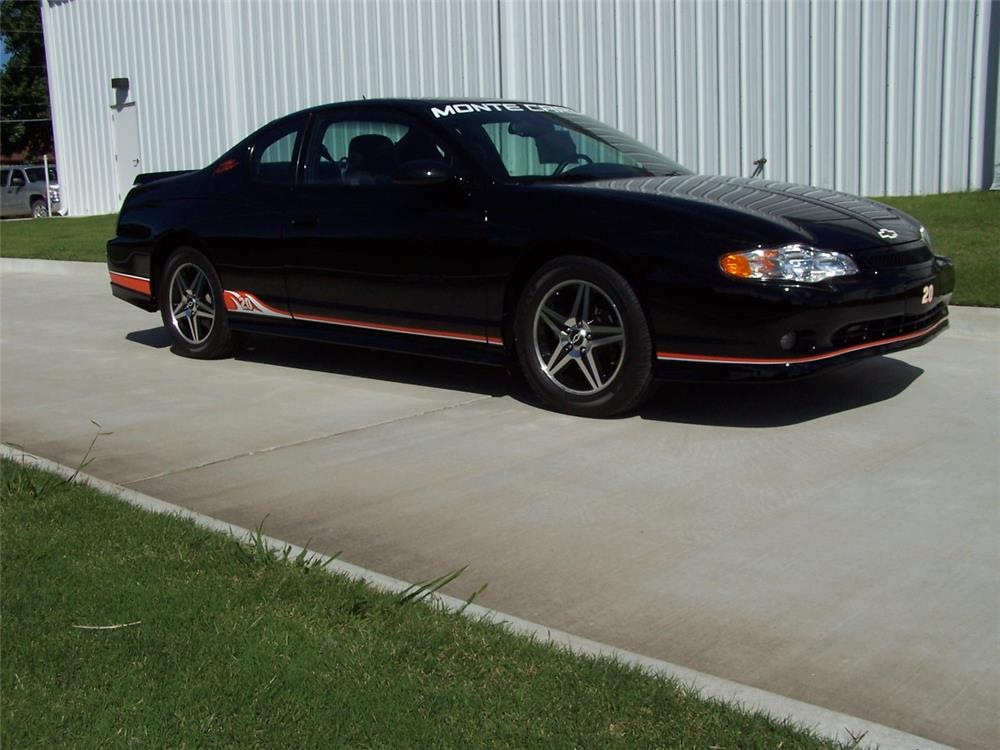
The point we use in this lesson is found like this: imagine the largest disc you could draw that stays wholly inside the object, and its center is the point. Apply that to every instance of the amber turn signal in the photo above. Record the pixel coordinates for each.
(735, 264)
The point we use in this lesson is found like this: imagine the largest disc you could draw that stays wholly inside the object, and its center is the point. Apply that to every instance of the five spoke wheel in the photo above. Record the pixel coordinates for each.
(192, 309)
(582, 338)
(190, 298)
(579, 337)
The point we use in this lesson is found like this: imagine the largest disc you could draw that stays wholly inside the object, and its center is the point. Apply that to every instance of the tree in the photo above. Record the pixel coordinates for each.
(24, 87)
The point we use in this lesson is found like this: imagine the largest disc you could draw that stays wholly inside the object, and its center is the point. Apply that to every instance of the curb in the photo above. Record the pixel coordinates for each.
(831, 724)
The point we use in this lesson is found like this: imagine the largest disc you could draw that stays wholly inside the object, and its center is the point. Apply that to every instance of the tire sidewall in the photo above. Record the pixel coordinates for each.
(219, 341)
(635, 377)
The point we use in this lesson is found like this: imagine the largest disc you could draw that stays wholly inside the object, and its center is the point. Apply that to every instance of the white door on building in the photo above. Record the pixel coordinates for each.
(128, 163)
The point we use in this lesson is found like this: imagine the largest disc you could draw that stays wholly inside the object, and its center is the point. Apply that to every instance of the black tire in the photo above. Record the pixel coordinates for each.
(614, 377)
(39, 209)
(193, 334)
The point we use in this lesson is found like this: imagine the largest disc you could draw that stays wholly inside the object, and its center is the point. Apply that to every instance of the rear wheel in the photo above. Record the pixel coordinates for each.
(582, 338)
(192, 307)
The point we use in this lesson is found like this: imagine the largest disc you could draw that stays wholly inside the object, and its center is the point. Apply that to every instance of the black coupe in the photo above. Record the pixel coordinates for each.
(514, 232)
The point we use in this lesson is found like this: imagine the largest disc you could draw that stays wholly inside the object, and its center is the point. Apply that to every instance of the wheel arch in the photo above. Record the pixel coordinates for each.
(164, 247)
(541, 254)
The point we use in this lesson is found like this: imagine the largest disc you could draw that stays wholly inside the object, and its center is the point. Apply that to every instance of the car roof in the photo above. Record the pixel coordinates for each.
(417, 106)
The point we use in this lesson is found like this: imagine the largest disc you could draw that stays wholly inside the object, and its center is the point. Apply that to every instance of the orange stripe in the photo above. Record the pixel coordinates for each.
(391, 328)
(797, 360)
(388, 327)
(135, 283)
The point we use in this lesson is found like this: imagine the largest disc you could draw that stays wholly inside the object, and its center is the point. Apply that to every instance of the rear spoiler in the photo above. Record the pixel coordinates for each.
(148, 177)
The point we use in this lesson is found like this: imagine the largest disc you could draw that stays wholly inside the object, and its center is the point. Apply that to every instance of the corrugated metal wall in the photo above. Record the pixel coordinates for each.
(875, 97)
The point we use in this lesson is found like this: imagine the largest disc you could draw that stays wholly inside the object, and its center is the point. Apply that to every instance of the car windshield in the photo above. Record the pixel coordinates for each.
(37, 174)
(548, 143)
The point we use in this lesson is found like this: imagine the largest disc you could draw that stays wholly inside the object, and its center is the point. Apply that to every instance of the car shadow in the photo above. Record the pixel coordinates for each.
(381, 365)
(771, 404)
(157, 338)
(363, 363)
(780, 404)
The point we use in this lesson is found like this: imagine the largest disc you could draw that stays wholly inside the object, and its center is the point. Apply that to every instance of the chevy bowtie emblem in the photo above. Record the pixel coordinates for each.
(887, 234)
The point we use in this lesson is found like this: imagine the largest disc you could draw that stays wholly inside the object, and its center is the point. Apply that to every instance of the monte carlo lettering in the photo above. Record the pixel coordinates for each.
(467, 107)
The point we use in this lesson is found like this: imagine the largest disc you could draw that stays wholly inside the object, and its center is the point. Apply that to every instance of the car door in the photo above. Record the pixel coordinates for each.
(5, 199)
(366, 252)
(22, 203)
(16, 193)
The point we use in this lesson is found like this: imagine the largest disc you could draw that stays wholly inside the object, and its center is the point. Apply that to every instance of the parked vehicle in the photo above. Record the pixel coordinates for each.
(22, 191)
(514, 232)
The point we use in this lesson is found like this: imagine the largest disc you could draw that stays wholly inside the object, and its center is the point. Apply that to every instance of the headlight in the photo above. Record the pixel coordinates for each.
(787, 263)
(926, 237)
(54, 195)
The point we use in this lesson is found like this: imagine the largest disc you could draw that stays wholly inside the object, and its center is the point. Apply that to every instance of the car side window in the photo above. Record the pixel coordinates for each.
(526, 153)
(37, 174)
(274, 154)
(4, 177)
(367, 152)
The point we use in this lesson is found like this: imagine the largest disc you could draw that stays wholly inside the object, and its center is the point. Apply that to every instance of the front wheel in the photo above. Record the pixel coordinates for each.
(192, 307)
(39, 209)
(582, 338)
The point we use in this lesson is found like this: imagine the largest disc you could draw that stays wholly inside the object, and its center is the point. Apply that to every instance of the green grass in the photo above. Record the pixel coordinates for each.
(58, 238)
(966, 228)
(236, 649)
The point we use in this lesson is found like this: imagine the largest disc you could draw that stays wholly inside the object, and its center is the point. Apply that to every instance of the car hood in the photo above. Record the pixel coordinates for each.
(826, 217)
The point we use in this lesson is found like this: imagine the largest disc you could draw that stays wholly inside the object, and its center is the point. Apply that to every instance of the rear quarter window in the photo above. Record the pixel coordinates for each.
(275, 151)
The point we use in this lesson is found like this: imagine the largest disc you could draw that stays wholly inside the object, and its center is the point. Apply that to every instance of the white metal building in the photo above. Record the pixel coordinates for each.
(876, 97)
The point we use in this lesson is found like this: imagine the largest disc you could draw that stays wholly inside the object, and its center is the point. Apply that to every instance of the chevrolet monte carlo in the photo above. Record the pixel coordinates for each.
(524, 235)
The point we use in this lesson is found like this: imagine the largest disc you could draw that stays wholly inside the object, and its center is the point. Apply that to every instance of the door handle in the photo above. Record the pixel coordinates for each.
(305, 222)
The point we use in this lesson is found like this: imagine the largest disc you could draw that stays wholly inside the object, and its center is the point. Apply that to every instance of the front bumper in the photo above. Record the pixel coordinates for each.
(760, 331)
(670, 367)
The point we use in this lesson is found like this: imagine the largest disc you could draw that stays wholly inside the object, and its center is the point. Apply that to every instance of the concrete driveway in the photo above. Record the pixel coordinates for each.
(834, 540)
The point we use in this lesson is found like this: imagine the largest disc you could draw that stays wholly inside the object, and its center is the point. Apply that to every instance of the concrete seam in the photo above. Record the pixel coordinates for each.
(299, 443)
(831, 724)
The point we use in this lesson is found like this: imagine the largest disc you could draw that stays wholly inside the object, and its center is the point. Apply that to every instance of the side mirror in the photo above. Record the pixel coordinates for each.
(16, 181)
(422, 172)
